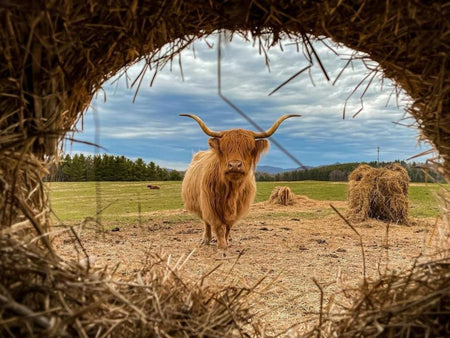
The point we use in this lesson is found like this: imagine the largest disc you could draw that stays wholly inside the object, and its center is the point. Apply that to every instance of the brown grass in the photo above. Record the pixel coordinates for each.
(288, 244)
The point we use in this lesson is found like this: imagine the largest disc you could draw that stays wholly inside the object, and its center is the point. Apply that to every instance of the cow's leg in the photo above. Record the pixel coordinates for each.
(206, 238)
(227, 233)
(221, 239)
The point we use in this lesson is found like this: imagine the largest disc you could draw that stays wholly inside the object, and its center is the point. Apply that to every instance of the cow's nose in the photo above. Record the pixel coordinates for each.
(234, 165)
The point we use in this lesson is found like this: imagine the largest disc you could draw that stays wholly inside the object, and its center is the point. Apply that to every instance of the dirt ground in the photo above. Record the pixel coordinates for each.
(286, 245)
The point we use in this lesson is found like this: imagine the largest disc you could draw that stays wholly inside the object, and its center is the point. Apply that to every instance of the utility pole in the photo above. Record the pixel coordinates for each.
(378, 156)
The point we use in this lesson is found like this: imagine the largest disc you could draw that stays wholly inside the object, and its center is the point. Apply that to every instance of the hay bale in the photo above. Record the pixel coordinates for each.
(56, 55)
(359, 172)
(413, 303)
(281, 195)
(359, 192)
(47, 297)
(380, 193)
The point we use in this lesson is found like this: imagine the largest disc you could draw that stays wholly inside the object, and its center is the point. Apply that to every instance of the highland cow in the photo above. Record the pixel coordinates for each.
(219, 185)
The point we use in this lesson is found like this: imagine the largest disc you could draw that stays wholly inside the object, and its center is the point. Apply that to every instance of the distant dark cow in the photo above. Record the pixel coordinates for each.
(153, 186)
(219, 184)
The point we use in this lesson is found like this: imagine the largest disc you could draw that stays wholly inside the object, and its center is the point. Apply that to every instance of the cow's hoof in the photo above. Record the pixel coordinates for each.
(224, 255)
(204, 242)
(221, 255)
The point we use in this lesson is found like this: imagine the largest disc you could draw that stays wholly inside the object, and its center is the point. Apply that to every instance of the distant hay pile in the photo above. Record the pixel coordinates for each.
(380, 193)
(282, 195)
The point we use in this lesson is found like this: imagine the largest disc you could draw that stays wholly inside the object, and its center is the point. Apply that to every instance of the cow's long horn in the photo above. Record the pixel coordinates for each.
(274, 127)
(204, 127)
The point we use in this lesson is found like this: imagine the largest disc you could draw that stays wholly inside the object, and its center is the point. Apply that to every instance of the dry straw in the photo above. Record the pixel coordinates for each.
(56, 54)
(414, 303)
(281, 195)
(380, 193)
(41, 296)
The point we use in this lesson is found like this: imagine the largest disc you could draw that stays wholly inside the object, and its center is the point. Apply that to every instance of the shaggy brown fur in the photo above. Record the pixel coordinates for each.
(380, 193)
(218, 195)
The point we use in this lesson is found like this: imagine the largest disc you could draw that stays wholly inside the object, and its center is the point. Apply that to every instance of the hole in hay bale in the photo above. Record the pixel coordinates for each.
(282, 195)
(61, 67)
(380, 193)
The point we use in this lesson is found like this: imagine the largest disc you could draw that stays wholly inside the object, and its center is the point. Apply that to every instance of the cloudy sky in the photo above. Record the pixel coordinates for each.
(151, 129)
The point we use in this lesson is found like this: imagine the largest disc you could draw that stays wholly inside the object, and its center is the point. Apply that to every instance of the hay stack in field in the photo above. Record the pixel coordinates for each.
(380, 193)
(358, 192)
(282, 195)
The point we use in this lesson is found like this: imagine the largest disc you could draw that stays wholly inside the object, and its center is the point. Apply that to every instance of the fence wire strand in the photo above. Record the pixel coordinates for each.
(240, 112)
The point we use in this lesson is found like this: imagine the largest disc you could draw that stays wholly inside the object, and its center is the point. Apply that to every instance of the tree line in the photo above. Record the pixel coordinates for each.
(119, 168)
(105, 167)
(340, 172)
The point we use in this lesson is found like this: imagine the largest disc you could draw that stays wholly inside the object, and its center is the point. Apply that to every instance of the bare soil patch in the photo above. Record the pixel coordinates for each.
(288, 245)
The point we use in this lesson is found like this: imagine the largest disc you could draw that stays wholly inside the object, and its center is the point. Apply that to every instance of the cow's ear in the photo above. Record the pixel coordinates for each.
(261, 147)
(214, 143)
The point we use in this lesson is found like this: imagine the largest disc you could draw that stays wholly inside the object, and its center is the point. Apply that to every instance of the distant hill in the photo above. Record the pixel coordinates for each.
(276, 170)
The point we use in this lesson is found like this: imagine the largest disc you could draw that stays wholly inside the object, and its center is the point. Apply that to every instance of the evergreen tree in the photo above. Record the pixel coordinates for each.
(109, 168)
(139, 170)
(74, 168)
(151, 172)
(175, 176)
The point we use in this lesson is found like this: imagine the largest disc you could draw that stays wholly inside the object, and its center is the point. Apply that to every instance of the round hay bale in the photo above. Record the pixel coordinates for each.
(358, 173)
(358, 195)
(390, 196)
(402, 175)
(380, 193)
(282, 196)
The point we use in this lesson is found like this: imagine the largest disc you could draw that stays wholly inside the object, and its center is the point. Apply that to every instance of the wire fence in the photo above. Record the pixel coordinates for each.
(242, 113)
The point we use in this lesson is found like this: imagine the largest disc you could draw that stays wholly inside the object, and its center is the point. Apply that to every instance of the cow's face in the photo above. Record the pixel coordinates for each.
(238, 152)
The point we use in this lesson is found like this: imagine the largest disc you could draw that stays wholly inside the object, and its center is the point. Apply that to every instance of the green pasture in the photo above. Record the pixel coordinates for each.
(74, 201)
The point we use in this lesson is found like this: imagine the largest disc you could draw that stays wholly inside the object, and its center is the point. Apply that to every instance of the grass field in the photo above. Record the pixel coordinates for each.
(74, 201)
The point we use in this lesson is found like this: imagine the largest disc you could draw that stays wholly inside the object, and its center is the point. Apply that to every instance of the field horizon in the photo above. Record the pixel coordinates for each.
(75, 201)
